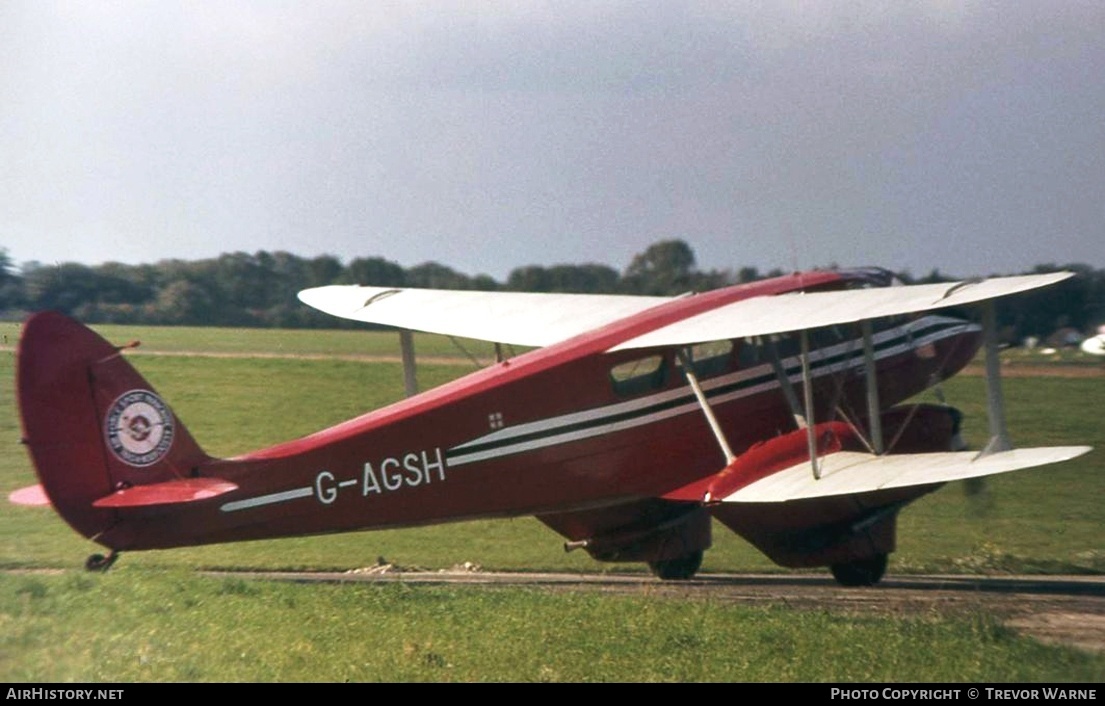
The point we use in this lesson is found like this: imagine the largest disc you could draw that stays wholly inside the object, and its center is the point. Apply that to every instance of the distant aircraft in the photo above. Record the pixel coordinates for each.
(1094, 345)
(777, 408)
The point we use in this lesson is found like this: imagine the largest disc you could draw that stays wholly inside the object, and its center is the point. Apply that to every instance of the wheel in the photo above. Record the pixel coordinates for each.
(99, 562)
(678, 569)
(862, 572)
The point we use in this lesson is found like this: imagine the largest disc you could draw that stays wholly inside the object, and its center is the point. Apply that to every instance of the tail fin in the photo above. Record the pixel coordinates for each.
(92, 424)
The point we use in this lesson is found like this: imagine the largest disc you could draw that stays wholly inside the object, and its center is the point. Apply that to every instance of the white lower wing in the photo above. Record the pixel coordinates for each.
(517, 318)
(848, 473)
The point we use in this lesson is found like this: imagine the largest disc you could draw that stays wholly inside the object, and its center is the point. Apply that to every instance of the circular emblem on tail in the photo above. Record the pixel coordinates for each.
(139, 428)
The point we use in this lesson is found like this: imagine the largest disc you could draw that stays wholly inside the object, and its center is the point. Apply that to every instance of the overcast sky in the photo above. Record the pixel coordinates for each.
(959, 135)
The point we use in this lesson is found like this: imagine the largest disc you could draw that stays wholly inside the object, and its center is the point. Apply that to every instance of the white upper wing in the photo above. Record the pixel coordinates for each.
(799, 311)
(540, 319)
(518, 318)
(796, 311)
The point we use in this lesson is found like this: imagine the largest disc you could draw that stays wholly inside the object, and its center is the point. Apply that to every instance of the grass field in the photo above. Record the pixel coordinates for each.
(153, 619)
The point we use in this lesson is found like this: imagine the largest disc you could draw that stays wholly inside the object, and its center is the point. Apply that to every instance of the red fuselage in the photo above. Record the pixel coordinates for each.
(566, 428)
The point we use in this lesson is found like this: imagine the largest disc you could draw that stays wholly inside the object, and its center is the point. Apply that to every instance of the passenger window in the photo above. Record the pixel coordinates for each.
(711, 358)
(750, 353)
(831, 336)
(786, 345)
(635, 377)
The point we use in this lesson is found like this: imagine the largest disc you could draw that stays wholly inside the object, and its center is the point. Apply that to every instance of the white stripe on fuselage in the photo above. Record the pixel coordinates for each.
(821, 365)
(268, 499)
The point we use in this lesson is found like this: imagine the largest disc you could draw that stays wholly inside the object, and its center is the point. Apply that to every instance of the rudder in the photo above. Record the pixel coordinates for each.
(91, 423)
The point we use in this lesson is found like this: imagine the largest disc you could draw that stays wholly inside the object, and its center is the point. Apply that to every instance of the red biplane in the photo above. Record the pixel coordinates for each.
(778, 408)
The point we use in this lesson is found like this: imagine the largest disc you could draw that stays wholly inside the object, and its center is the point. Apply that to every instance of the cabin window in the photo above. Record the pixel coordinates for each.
(832, 336)
(789, 345)
(786, 345)
(638, 376)
(751, 353)
(710, 358)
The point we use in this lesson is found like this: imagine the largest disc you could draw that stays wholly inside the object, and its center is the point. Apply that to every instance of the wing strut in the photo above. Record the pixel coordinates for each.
(406, 345)
(874, 415)
(807, 398)
(785, 385)
(999, 433)
(688, 370)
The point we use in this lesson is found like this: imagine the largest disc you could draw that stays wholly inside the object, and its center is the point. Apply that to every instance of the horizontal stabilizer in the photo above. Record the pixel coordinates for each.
(849, 472)
(34, 495)
(168, 493)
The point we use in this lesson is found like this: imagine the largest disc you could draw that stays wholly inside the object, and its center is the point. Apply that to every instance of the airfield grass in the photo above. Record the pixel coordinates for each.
(152, 618)
(135, 625)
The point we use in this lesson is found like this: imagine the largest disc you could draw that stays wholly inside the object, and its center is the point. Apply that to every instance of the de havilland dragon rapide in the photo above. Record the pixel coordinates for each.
(632, 426)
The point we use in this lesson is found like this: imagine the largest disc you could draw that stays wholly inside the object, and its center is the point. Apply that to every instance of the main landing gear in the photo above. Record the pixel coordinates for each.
(862, 572)
(677, 569)
(99, 562)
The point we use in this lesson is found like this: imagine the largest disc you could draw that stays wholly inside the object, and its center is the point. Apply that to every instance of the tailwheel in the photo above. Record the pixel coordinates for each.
(99, 562)
(677, 569)
(861, 572)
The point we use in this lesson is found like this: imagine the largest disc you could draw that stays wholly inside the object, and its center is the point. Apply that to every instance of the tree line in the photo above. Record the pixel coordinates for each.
(259, 289)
